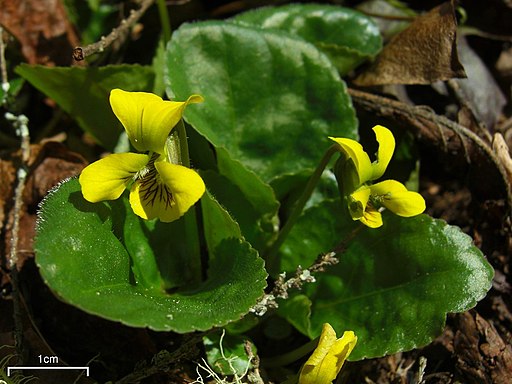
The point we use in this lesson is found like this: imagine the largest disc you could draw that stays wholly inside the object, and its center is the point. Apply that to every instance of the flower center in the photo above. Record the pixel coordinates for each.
(152, 190)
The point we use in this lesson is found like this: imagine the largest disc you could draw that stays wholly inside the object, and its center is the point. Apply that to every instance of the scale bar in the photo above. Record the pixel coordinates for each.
(9, 369)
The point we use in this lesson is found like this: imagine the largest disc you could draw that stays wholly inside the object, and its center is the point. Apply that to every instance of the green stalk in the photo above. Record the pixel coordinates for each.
(191, 229)
(271, 255)
(182, 134)
(290, 357)
(164, 20)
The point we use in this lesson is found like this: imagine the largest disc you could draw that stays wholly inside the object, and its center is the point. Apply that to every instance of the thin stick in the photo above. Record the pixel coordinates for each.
(3, 67)
(20, 123)
(80, 53)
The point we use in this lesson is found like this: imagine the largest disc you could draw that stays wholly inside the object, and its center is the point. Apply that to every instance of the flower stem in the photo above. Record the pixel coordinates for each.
(271, 255)
(164, 20)
(191, 229)
(290, 357)
(183, 143)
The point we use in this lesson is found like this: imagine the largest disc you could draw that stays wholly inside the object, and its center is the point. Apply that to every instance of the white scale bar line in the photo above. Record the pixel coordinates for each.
(9, 369)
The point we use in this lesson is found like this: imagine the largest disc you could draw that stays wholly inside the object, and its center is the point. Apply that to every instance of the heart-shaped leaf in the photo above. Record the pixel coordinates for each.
(347, 36)
(393, 286)
(271, 99)
(87, 265)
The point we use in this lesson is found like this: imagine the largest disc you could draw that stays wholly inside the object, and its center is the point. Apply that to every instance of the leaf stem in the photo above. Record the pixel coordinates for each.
(164, 20)
(271, 255)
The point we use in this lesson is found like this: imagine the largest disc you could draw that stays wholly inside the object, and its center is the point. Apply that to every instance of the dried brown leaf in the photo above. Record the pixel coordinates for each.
(423, 53)
(42, 28)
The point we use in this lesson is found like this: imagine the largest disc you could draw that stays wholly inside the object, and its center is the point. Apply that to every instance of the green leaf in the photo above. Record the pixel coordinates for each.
(164, 255)
(253, 223)
(15, 86)
(258, 193)
(226, 354)
(347, 36)
(83, 93)
(158, 65)
(394, 285)
(87, 265)
(297, 310)
(249, 200)
(289, 188)
(271, 99)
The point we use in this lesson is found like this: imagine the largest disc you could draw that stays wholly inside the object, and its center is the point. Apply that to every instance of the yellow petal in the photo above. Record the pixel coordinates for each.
(326, 361)
(169, 194)
(371, 218)
(358, 202)
(394, 196)
(342, 349)
(147, 118)
(386, 142)
(106, 179)
(359, 157)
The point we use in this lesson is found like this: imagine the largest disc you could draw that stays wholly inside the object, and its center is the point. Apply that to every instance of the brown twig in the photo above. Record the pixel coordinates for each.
(3, 66)
(80, 53)
(454, 139)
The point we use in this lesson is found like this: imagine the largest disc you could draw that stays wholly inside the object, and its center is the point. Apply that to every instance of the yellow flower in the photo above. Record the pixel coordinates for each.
(161, 187)
(326, 361)
(357, 173)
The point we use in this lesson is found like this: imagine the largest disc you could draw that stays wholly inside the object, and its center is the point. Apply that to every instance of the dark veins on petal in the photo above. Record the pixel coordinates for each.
(151, 188)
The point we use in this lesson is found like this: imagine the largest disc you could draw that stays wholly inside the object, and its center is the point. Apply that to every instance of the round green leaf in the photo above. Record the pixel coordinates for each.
(347, 36)
(394, 285)
(87, 265)
(271, 99)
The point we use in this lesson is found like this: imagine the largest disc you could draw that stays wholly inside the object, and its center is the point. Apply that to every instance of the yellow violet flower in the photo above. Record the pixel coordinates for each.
(161, 187)
(365, 198)
(326, 361)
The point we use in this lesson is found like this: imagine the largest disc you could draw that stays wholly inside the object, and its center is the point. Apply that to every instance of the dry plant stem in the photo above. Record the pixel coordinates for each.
(3, 67)
(282, 285)
(438, 130)
(20, 123)
(302, 276)
(80, 53)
